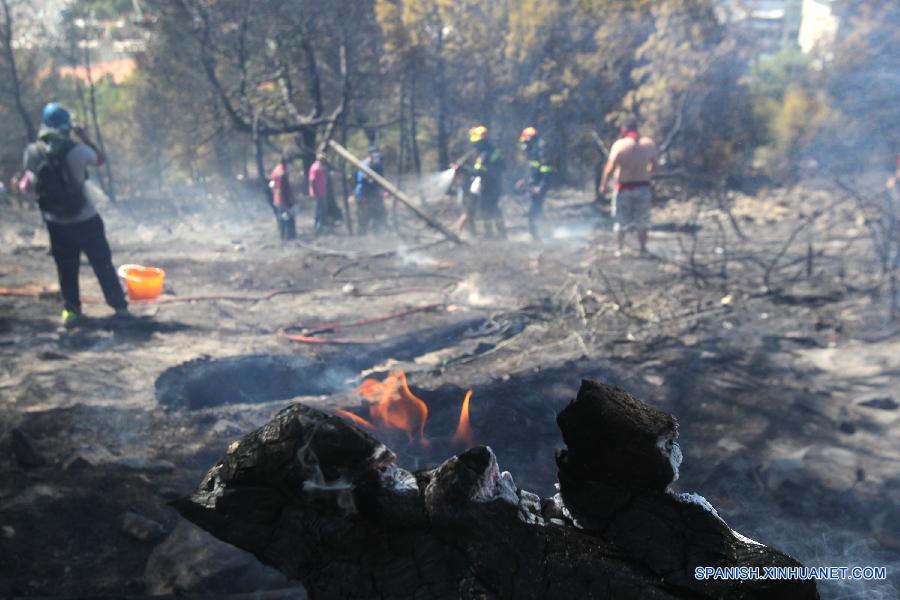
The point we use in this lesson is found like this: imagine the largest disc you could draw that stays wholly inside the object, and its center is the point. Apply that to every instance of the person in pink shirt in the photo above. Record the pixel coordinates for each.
(318, 190)
(283, 199)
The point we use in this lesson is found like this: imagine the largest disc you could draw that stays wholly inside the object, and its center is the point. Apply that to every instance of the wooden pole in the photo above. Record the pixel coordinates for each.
(391, 189)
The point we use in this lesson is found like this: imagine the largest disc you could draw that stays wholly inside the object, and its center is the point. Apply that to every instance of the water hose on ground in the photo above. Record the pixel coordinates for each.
(42, 293)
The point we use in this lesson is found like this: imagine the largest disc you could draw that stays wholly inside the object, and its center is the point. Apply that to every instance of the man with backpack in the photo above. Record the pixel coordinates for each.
(56, 169)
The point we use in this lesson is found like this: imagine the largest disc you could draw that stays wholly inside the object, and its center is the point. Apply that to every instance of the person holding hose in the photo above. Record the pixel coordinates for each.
(487, 185)
(55, 171)
(538, 181)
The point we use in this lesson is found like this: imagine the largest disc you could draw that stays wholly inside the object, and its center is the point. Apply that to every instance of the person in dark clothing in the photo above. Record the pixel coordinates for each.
(488, 183)
(283, 199)
(369, 197)
(539, 172)
(56, 169)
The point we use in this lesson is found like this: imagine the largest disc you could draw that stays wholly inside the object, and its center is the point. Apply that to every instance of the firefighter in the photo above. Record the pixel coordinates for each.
(538, 177)
(487, 184)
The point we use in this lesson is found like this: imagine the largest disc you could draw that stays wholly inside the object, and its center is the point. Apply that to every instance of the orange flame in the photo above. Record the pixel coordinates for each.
(392, 403)
(355, 419)
(463, 433)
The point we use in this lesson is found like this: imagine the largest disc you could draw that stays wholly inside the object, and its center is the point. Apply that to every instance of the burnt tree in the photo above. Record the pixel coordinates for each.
(7, 36)
(274, 67)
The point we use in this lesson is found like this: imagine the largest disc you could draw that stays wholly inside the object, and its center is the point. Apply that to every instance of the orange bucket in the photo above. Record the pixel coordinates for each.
(142, 283)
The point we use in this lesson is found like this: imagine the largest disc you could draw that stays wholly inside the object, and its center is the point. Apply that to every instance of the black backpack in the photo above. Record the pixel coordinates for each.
(59, 193)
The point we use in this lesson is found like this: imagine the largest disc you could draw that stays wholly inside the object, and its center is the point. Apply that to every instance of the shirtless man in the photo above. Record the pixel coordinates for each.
(631, 159)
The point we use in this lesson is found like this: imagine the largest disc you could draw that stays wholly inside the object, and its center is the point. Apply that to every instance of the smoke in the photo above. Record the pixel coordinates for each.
(467, 292)
(817, 536)
(572, 232)
(416, 259)
(430, 187)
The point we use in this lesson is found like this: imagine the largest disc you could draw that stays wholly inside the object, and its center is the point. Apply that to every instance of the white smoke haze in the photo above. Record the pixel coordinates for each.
(415, 258)
(469, 293)
(572, 232)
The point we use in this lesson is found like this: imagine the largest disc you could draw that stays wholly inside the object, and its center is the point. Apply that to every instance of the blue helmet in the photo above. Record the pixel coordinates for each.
(57, 117)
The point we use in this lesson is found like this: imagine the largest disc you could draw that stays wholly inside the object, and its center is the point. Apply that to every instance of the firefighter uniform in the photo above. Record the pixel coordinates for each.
(539, 174)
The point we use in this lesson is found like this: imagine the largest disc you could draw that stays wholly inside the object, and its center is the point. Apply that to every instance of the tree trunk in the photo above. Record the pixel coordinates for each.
(413, 129)
(306, 144)
(414, 136)
(223, 153)
(345, 189)
(109, 186)
(14, 74)
(442, 137)
(261, 167)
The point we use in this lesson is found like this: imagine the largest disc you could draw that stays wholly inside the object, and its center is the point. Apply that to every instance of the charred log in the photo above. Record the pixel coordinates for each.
(324, 502)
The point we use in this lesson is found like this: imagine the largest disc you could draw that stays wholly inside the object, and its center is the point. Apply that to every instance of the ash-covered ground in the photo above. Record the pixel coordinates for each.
(759, 321)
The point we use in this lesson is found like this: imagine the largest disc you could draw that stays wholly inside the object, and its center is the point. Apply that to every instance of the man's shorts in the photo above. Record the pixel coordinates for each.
(631, 208)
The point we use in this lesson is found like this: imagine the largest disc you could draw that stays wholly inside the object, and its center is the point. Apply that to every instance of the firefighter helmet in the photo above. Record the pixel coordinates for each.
(477, 133)
(527, 134)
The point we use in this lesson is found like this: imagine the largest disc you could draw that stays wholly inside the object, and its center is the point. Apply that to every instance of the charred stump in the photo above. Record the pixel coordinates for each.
(324, 502)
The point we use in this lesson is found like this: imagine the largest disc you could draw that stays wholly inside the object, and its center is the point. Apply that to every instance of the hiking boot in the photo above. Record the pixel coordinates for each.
(71, 318)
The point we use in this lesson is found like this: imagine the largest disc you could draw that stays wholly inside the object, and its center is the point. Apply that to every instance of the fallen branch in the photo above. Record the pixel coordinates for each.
(395, 192)
(308, 335)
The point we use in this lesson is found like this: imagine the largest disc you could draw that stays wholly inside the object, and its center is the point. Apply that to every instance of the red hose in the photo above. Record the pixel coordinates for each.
(13, 292)
(32, 293)
(282, 332)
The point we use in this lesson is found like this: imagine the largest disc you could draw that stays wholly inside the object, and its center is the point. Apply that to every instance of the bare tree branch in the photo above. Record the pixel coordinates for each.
(601, 145)
(676, 127)
(13, 72)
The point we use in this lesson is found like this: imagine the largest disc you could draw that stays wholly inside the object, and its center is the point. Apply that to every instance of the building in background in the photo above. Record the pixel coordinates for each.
(819, 26)
(769, 25)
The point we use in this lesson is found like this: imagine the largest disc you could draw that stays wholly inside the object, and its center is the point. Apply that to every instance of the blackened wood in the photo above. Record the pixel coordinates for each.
(323, 501)
(613, 436)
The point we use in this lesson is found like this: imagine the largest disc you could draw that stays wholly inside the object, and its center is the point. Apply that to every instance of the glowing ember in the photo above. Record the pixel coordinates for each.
(463, 433)
(391, 403)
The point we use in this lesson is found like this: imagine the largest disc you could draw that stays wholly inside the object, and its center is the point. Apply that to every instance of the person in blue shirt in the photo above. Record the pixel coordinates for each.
(369, 197)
